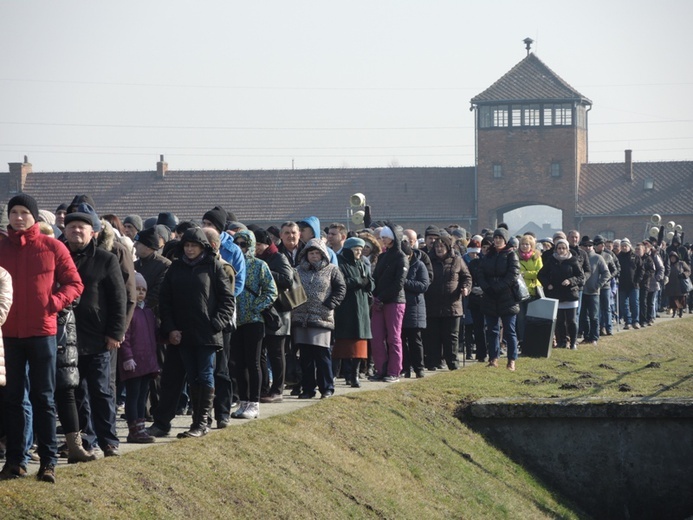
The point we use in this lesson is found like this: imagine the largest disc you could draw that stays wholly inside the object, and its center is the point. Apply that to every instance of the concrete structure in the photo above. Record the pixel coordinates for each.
(630, 458)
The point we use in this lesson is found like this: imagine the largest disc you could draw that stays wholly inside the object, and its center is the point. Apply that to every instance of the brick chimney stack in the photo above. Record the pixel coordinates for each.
(18, 173)
(161, 168)
(629, 165)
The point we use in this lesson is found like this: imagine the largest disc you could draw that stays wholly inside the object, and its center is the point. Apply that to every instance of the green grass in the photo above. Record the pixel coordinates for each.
(401, 452)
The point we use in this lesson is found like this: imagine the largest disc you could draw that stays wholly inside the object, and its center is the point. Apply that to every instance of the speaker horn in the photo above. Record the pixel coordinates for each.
(678, 228)
(656, 219)
(671, 225)
(670, 235)
(357, 217)
(357, 200)
(654, 231)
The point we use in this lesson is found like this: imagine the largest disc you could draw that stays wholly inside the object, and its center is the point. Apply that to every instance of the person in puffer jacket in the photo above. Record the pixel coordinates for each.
(259, 293)
(389, 303)
(313, 322)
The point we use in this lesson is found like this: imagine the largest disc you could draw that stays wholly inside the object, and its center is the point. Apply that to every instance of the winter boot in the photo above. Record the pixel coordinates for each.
(202, 408)
(137, 433)
(355, 365)
(76, 452)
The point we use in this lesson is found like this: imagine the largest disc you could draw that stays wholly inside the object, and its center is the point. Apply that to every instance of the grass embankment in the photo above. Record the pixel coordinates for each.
(397, 453)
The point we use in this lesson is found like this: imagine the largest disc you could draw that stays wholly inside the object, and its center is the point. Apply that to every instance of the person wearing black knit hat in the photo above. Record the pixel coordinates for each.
(25, 200)
(215, 218)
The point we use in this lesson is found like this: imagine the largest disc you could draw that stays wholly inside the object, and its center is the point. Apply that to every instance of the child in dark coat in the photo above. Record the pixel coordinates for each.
(138, 364)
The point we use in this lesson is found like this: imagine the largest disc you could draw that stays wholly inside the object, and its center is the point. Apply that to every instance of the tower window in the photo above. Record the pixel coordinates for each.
(532, 115)
(497, 171)
(648, 184)
(563, 114)
(555, 169)
(500, 116)
(517, 115)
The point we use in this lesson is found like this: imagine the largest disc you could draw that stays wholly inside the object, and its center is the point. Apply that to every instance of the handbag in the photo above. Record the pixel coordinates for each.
(290, 298)
(271, 318)
(686, 285)
(520, 291)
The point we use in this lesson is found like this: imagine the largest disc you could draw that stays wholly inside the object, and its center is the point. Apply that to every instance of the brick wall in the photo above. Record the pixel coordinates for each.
(525, 157)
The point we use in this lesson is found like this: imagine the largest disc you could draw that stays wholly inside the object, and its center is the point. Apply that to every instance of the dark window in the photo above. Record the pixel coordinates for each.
(485, 117)
(497, 171)
(648, 184)
(555, 169)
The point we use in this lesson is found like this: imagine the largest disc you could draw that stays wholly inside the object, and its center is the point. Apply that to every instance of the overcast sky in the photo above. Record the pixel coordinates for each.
(246, 85)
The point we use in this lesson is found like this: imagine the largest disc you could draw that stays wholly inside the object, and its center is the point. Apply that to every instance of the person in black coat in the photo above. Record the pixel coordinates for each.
(451, 283)
(388, 305)
(101, 325)
(498, 271)
(414, 322)
(274, 342)
(561, 276)
(196, 304)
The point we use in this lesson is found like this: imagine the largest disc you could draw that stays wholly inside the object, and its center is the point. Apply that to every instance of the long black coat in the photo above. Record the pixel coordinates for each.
(555, 271)
(101, 311)
(450, 277)
(498, 270)
(197, 300)
(415, 286)
(352, 319)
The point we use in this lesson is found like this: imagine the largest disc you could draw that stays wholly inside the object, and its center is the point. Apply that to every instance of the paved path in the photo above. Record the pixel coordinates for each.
(182, 422)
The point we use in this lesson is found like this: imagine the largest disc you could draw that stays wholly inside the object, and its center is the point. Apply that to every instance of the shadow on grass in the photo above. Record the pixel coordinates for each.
(459, 414)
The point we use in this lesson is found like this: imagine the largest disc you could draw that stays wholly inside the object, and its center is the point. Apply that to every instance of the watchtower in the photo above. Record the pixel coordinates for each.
(531, 139)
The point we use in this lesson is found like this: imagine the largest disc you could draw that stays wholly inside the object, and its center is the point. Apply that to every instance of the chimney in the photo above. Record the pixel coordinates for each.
(161, 168)
(18, 173)
(629, 165)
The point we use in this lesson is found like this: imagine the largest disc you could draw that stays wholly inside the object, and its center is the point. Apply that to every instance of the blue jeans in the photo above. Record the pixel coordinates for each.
(199, 364)
(493, 335)
(589, 316)
(95, 400)
(605, 309)
(629, 302)
(39, 353)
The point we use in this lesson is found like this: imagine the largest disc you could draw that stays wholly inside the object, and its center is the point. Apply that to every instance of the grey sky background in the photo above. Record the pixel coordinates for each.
(257, 85)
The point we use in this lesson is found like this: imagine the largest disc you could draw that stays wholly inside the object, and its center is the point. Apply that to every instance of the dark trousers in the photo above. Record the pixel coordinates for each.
(589, 316)
(136, 391)
(172, 383)
(39, 354)
(223, 385)
(273, 355)
(441, 332)
(67, 409)
(318, 360)
(566, 327)
(246, 347)
(647, 306)
(96, 401)
(479, 326)
(412, 350)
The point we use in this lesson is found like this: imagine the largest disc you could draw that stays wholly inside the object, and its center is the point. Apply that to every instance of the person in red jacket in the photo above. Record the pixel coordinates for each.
(45, 280)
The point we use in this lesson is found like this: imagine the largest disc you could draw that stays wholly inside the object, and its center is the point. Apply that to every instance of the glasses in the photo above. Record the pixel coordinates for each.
(242, 244)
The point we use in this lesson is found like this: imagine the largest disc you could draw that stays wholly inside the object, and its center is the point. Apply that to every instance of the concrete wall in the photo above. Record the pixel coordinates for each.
(616, 459)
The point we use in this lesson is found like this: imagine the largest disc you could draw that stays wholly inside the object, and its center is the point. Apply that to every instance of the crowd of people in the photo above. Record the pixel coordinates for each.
(159, 315)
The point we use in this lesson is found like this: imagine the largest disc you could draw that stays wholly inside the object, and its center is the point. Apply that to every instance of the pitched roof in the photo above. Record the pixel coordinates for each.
(411, 194)
(530, 80)
(605, 190)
